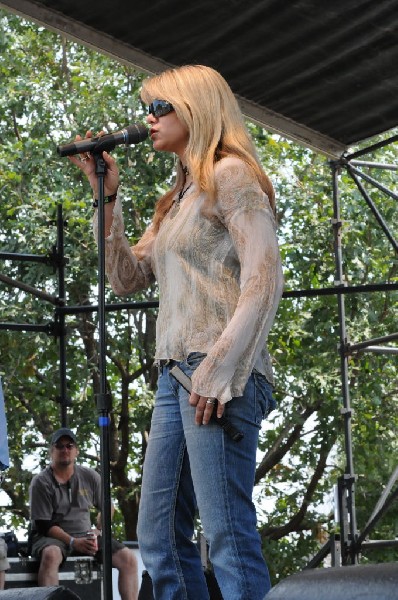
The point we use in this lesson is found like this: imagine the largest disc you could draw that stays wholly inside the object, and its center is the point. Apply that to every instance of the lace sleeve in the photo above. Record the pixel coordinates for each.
(245, 211)
(127, 271)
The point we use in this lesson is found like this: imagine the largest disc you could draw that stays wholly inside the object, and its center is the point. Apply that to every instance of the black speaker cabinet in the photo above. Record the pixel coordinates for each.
(373, 582)
(41, 593)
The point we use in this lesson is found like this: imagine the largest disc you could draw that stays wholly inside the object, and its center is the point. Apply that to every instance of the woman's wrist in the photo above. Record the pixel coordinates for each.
(107, 200)
(72, 539)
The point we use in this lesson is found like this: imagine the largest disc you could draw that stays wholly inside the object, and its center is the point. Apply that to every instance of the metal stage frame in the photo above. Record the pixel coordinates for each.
(346, 547)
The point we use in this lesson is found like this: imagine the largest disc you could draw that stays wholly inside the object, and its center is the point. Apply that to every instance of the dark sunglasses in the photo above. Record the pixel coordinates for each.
(68, 445)
(159, 108)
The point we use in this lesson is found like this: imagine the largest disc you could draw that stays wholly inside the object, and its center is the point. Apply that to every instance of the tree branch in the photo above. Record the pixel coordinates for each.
(276, 533)
(279, 449)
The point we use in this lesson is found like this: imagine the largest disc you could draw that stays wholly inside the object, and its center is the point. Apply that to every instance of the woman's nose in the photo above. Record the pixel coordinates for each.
(150, 118)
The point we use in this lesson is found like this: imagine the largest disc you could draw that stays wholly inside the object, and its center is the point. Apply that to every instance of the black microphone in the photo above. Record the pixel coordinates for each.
(132, 134)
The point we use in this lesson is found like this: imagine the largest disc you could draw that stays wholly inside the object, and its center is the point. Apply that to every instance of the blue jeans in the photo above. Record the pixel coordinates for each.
(188, 467)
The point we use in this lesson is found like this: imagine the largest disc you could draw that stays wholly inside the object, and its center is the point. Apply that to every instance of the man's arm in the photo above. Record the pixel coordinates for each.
(99, 519)
(97, 498)
(40, 501)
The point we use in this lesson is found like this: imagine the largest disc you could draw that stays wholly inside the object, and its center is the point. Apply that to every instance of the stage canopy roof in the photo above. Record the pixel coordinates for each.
(322, 72)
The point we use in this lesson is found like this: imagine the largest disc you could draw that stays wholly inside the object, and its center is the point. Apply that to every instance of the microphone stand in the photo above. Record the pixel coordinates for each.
(103, 399)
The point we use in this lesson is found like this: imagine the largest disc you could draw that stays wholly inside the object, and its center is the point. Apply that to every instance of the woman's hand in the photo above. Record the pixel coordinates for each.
(204, 408)
(86, 163)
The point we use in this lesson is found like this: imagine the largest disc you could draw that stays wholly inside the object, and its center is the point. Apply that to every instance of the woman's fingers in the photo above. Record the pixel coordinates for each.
(85, 161)
(204, 408)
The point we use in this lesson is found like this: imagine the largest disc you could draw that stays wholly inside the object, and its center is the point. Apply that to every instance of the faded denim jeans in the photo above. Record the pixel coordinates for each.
(189, 467)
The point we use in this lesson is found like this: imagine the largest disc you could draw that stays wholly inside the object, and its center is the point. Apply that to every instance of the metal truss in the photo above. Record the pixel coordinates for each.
(346, 547)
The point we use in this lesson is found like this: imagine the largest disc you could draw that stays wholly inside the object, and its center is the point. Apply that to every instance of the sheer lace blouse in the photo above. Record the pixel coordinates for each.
(220, 279)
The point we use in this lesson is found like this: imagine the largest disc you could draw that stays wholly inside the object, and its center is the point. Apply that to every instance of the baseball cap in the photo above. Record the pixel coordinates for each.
(63, 432)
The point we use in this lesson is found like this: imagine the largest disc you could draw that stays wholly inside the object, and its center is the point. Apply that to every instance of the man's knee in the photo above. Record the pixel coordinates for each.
(124, 559)
(51, 556)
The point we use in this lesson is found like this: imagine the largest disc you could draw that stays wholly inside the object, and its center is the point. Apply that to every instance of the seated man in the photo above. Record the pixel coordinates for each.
(60, 500)
(4, 564)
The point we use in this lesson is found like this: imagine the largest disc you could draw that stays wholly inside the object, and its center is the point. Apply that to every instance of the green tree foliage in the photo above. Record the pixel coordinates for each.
(52, 89)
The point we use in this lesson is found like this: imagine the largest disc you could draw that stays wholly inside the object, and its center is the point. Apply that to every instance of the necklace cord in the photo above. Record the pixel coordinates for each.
(182, 192)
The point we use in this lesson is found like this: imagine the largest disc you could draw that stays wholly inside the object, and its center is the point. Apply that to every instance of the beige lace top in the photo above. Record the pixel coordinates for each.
(220, 280)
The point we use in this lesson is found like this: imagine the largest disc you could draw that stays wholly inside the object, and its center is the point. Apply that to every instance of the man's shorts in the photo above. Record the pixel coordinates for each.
(4, 564)
(40, 542)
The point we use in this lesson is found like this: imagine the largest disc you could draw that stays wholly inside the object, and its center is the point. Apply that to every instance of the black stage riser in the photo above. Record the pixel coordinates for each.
(358, 582)
(42, 593)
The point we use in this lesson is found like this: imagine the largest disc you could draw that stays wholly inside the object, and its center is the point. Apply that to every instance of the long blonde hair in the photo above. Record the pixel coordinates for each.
(204, 102)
